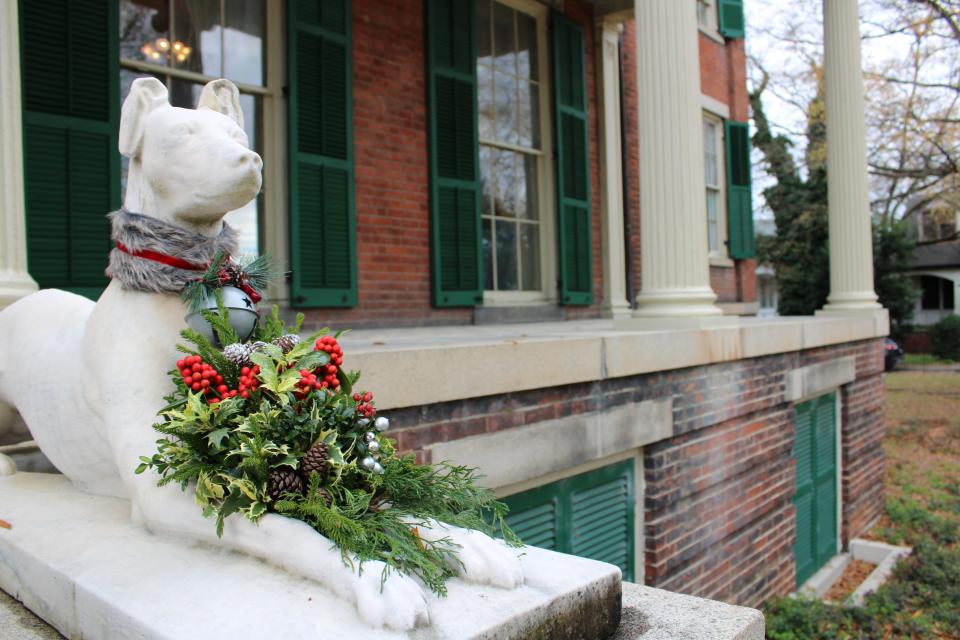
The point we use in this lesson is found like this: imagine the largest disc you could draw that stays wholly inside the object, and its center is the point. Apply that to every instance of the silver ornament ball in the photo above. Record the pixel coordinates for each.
(370, 436)
(374, 446)
(377, 468)
(243, 314)
(369, 463)
(382, 424)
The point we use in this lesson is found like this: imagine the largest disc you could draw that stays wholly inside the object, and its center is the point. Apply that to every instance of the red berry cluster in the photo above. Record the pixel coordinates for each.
(329, 372)
(200, 376)
(248, 381)
(364, 402)
(308, 382)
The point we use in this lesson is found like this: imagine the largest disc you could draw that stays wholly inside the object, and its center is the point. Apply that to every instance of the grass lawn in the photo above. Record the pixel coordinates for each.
(922, 599)
(919, 359)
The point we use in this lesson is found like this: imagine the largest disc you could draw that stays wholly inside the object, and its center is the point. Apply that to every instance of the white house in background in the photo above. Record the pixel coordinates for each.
(768, 296)
(936, 267)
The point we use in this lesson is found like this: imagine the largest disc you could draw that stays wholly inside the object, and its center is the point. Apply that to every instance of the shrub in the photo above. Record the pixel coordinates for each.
(945, 338)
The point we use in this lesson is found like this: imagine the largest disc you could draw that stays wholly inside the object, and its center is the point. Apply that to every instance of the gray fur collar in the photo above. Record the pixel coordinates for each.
(138, 232)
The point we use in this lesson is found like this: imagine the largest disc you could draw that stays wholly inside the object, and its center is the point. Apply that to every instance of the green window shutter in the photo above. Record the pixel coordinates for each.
(803, 499)
(742, 243)
(323, 251)
(455, 236)
(730, 14)
(826, 478)
(70, 87)
(590, 515)
(573, 163)
(815, 499)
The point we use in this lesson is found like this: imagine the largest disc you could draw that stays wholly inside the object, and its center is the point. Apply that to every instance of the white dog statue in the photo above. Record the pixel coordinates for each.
(88, 378)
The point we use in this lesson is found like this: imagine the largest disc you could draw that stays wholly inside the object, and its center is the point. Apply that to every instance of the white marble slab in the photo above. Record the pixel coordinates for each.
(76, 561)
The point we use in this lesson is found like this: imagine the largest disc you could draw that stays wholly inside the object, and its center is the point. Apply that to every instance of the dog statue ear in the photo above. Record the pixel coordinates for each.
(223, 97)
(146, 94)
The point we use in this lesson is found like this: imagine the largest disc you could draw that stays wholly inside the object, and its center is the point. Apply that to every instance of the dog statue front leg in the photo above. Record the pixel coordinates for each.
(294, 546)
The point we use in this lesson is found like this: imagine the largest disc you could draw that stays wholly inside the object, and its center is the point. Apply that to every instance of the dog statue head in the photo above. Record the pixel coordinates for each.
(187, 166)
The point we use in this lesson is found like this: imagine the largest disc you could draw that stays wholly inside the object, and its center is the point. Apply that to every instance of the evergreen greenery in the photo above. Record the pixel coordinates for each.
(225, 451)
(945, 338)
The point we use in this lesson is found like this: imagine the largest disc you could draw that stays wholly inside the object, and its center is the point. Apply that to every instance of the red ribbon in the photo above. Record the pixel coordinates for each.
(163, 258)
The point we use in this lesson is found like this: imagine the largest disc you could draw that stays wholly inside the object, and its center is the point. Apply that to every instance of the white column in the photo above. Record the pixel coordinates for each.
(673, 215)
(615, 304)
(851, 248)
(15, 282)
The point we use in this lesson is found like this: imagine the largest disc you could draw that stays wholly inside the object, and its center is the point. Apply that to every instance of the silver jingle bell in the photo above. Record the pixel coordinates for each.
(377, 468)
(242, 310)
(370, 436)
(373, 446)
(382, 424)
(369, 463)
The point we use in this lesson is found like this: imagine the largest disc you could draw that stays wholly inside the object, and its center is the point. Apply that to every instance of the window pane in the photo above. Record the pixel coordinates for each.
(530, 256)
(710, 153)
(504, 38)
(527, 206)
(506, 108)
(482, 31)
(144, 30)
(486, 112)
(527, 55)
(197, 34)
(488, 275)
(506, 255)
(712, 235)
(930, 287)
(184, 93)
(243, 38)
(486, 183)
(947, 294)
(246, 220)
(529, 129)
(505, 175)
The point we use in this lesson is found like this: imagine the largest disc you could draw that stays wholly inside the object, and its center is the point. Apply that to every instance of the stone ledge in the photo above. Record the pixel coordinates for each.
(413, 367)
(655, 614)
(76, 561)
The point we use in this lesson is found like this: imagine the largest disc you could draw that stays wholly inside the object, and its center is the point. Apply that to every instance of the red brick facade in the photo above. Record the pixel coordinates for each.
(718, 513)
(390, 148)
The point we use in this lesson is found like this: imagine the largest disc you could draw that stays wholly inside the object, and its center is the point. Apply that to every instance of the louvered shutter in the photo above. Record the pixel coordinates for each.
(742, 244)
(573, 163)
(323, 252)
(457, 270)
(730, 13)
(803, 499)
(70, 87)
(826, 478)
(590, 515)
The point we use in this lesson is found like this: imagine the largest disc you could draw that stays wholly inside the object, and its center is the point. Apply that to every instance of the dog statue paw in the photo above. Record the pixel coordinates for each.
(482, 559)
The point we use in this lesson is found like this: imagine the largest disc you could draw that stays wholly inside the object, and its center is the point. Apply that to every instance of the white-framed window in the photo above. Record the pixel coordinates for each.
(515, 150)
(707, 19)
(713, 174)
(187, 43)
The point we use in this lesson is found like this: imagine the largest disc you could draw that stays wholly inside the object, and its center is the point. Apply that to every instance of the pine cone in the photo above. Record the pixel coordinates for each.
(283, 481)
(237, 353)
(315, 461)
(287, 342)
(327, 498)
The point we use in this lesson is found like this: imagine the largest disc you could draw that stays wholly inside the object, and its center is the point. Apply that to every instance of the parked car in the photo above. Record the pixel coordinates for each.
(892, 354)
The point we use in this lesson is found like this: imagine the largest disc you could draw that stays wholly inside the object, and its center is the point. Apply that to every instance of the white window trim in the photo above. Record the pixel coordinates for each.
(547, 295)
(719, 257)
(712, 28)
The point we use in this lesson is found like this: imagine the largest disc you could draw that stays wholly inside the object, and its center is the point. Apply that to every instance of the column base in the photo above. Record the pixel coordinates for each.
(682, 303)
(15, 285)
(617, 311)
(852, 301)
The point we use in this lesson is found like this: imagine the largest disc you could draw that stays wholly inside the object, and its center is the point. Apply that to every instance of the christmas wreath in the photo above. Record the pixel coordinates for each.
(273, 424)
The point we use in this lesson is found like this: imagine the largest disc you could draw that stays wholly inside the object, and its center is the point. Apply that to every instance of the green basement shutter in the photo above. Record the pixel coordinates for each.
(457, 269)
(323, 252)
(730, 13)
(70, 82)
(815, 497)
(589, 515)
(742, 244)
(573, 163)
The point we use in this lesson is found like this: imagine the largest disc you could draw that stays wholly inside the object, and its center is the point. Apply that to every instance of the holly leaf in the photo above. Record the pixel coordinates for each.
(257, 509)
(346, 386)
(313, 360)
(217, 436)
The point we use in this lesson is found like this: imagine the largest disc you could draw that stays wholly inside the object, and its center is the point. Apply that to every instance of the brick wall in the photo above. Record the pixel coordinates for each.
(718, 516)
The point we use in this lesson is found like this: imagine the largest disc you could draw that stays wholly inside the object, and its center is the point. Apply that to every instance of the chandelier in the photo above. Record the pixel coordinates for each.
(163, 49)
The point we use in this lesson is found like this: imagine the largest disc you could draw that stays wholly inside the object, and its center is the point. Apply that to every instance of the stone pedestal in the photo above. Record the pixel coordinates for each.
(76, 561)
